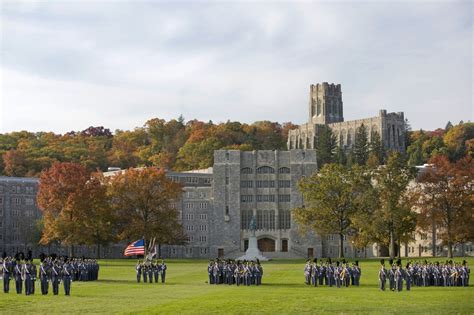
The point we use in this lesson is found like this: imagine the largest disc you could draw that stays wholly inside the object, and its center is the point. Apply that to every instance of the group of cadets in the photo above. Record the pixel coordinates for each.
(423, 274)
(235, 272)
(151, 270)
(23, 271)
(339, 273)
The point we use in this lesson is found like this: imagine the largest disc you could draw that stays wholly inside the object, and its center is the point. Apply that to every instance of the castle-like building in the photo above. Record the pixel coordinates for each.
(218, 203)
(326, 108)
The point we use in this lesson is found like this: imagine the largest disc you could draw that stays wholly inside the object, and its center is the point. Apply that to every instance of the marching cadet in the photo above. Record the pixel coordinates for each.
(34, 273)
(7, 269)
(337, 274)
(399, 276)
(258, 273)
(347, 276)
(356, 272)
(67, 276)
(408, 275)
(26, 270)
(209, 271)
(150, 272)
(145, 272)
(55, 276)
(163, 268)
(156, 271)
(138, 269)
(314, 272)
(307, 272)
(43, 275)
(391, 275)
(322, 272)
(330, 273)
(382, 275)
(18, 277)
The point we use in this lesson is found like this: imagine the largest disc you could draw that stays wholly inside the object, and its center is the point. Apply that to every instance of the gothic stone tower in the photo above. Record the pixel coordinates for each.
(325, 103)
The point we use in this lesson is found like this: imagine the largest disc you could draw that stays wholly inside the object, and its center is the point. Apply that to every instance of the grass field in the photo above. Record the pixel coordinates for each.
(283, 291)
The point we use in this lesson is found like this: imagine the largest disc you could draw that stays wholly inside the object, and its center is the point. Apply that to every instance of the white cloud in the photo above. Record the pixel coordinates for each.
(68, 65)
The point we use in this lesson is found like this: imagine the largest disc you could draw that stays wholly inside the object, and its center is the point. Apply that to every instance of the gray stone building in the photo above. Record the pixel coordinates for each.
(18, 214)
(326, 108)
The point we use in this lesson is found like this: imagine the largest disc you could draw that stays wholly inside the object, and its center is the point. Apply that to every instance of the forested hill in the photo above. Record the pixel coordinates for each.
(173, 144)
(180, 145)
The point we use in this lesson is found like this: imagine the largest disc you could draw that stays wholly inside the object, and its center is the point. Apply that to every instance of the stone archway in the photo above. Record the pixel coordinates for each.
(266, 244)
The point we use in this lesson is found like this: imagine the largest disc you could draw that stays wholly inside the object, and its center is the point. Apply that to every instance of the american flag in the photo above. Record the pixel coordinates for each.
(136, 248)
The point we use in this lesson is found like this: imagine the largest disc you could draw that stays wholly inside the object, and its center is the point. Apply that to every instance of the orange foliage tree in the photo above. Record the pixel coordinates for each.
(446, 199)
(143, 200)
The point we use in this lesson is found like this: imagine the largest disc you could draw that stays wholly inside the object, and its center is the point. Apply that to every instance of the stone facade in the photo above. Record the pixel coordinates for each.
(326, 108)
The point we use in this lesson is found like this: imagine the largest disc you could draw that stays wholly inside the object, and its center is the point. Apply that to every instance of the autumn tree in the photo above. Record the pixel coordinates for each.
(143, 201)
(394, 220)
(64, 203)
(445, 200)
(332, 198)
(376, 149)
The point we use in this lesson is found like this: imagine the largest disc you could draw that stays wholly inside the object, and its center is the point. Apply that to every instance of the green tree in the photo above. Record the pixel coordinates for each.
(332, 198)
(376, 148)
(361, 146)
(326, 146)
(392, 182)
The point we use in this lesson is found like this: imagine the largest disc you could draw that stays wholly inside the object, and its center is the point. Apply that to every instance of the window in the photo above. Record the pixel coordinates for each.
(246, 170)
(423, 236)
(284, 216)
(283, 198)
(203, 205)
(1, 200)
(203, 216)
(203, 238)
(246, 198)
(265, 183)
(245, 217)
(266, 219)
(203, 227)
(265, 170)
(29, 201)
(246, 184)
(284, 184)
(284, 170)
(265, 198)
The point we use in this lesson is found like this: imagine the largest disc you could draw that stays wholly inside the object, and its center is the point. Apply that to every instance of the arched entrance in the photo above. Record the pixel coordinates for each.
(266, 244)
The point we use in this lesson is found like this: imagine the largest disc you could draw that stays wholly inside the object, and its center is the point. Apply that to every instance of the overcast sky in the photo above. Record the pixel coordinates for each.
(67, 65)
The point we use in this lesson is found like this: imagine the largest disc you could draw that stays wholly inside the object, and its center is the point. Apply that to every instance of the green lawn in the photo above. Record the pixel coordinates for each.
(186, 291)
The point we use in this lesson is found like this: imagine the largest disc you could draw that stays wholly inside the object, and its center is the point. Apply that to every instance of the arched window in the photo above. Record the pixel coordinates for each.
(284, 170)
(265, 170)
(246, 170)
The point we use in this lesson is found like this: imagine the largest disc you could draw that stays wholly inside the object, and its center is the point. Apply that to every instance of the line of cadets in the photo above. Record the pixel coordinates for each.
(235, 272)
(51, 269)
(423, 274)
(329, 273)
(150, 270)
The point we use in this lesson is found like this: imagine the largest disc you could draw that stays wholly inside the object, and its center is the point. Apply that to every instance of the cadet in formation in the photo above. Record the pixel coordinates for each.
(51, 269)
(151, 271)
(329, 273)
(423, 274)
(235, 272)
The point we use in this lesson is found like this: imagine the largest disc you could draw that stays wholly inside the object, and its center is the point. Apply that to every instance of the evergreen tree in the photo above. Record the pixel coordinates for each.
(376, 148)
(340, 156)
(449, 125)
(325, 146)
(361, 146)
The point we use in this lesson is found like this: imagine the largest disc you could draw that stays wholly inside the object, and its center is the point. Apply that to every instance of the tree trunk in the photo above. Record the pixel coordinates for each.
(341, 245)
(392, 245)
(71, 251)
(98, 250)
(159, 250)
(450, 249)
